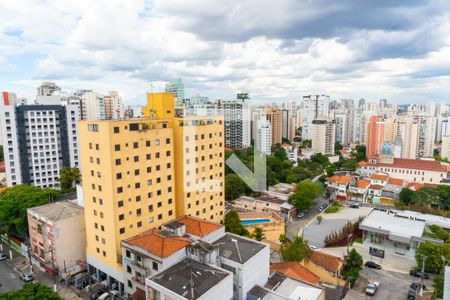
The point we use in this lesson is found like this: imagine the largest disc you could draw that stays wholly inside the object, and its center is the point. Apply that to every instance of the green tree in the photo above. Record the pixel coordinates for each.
(14, 203)
(69, 176)
(353, 262)
(427, 196)
(295, 251)
(319, 219)
(434, 254)
(405, 196)
(2, 156)
(233, 224)
(330, 170)
(234, 187)
(360, 153)
(438, 284)
(258, 234)
(305, 193)
(31, 291)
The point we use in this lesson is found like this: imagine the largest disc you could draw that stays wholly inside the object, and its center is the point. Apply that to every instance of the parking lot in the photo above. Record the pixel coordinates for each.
(315, 233)
(393, 285)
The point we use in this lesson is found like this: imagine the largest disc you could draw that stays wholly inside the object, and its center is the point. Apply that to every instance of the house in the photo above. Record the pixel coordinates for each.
(374, 193)
(282, 287)
(358, 190)
(411, 170)
(270, 222)
(58, 237)
(325, 266)
(338, 186)
(190, 279)
(157, 249)
(379, 179)
(391, 191)
(247, 259)
(295, 271)
(266, 203)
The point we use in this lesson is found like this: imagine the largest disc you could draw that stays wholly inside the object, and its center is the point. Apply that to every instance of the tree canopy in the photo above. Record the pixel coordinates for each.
(14, 203)
(235, 187)
(233, 224)
(304, 195)
(68, 177)
(295, 251)
(353, 262)
(31, 291)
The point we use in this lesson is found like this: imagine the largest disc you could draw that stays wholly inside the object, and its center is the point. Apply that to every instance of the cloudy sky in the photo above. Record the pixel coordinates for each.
(276, 50)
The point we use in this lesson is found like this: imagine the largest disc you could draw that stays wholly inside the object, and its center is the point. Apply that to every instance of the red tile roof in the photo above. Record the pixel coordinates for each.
(363, 163)
(415, 186)
(158, 244)
(198, 227)
(340, 179)
(417, 164)
(396, 181)
(376, 187)
(327, 261)
(363, 183)
(380, 177)
(296, 271)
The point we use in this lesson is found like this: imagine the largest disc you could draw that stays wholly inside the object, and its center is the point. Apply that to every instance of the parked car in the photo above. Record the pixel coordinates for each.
(418, 274)
(416, 285)
(26, 277)
(313, 248)
(322, 207)
(412, 291)
(355, 205)
(372, 288)
(3, 256)
(300, 215)
(372, 265)
(103, 296)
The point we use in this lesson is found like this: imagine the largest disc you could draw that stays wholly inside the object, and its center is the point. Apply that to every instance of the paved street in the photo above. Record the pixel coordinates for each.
(393, 285)
(315, 233)
(293, 228)
(9, 279)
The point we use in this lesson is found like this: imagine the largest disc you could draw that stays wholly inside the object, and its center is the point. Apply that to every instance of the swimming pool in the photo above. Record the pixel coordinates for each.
(254, 221)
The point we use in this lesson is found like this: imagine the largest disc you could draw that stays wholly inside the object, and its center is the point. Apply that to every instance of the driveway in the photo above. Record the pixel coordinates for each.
(293, 228)
(315, 233)
(393, 285)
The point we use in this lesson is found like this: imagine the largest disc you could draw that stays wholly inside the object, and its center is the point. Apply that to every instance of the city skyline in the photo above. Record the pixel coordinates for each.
(339, 50)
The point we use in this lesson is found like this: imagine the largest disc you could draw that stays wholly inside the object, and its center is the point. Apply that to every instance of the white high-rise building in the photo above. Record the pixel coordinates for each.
(263, 140)
(237, 118)
(408, 128)
(314, 106)
(427, 133)
(39, 141)
(342, 128)
(285, 123)
(48, 88)
(95, 106)
(177, 88)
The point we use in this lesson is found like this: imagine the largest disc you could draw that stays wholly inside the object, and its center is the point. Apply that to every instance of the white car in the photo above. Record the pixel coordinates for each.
(313, 248)
(3, 256)
(26, 277)
(372, 288)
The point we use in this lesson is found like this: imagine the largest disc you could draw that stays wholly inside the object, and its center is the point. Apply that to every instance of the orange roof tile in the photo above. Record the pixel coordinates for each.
(158, 244)
(415, 164)
(340, 179)
(363, 163)
(415, 186)
(329, 262)
(296, 271)
(376, 187)
(198, 227)
(363, 183)
(396, 181)
(380, 177)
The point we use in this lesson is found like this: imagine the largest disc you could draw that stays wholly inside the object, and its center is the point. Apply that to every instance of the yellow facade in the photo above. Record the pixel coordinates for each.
(135, 176)
(159, 106)
(199, 162)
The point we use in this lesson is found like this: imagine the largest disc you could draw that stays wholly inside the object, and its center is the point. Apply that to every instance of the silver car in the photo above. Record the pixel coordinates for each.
(26, 277)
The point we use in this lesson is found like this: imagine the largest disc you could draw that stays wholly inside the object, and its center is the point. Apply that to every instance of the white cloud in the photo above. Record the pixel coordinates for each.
(276, 51)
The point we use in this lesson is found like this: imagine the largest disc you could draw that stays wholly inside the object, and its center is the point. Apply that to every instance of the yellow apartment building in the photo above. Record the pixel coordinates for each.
(140, 173)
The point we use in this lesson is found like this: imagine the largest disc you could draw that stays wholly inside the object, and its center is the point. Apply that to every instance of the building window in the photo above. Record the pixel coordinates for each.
(155, 266)
(117, 147)
(118, 162)
(122, 230)
(120, 203)
(139, 224)
(119, 176)
(116, 129)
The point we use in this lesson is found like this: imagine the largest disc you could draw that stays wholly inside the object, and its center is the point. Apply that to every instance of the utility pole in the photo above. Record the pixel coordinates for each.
(421, 273)
(29, 254)
(53, 273)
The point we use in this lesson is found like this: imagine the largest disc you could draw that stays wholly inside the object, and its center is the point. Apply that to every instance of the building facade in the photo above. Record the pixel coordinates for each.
(39, 140)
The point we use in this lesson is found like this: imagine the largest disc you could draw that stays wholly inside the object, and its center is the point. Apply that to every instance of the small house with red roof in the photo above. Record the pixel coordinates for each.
(338, 186)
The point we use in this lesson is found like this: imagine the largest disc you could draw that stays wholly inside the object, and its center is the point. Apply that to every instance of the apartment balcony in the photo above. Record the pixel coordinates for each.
(140, 282)
(138, 265)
